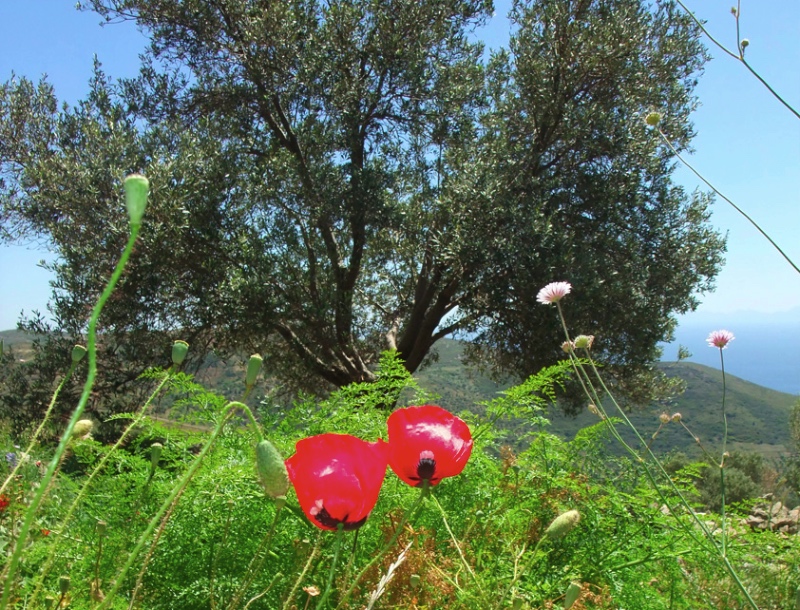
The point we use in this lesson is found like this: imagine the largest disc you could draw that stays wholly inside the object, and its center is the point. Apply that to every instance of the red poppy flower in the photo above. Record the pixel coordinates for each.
(45, 532)
(337, 478)
(427, 443)
(4, 502)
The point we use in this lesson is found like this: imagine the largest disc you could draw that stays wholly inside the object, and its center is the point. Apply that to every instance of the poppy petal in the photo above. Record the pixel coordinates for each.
(427, 442)
(337, 478)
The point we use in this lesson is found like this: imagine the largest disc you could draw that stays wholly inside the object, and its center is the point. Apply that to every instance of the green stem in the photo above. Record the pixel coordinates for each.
(314, 552)
(30, 514)
(227, 413)
(650, 476)
(458, 546)
(62, 526)
(30, 446)
(407, 514)
(739, 56)
(332, 573)
(722, 458)
(260, 555)
(731, 203)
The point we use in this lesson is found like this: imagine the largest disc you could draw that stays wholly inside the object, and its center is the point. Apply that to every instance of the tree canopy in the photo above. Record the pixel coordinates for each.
(332, 178)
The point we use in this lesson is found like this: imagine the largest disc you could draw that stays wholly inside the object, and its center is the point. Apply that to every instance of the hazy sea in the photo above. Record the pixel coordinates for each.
(766, 350)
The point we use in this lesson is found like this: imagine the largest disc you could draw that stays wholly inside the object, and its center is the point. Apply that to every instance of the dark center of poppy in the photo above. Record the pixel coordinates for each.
(325, 518)
(426, 468)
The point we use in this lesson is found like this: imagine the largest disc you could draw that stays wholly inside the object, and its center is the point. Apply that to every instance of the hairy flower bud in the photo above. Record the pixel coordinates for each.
(583, 341)
(137, 188)
(572, 594)
(82, 427)
(676, 417)
(179, 351)
(155, 455)
(78, 352)
(653, 119)
(563, 524)
(745, 43)
(253, 368)
(271, 470)
(664, 418)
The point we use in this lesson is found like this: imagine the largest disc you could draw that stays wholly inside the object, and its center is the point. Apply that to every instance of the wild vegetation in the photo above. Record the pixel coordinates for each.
(366, 495)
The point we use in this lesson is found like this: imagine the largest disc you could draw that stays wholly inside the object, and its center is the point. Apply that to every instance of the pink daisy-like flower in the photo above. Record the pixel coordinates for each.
(553, 292)
(720, 338)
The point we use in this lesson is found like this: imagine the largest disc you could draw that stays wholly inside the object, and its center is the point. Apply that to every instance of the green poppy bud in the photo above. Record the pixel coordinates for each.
(78, 352)
(179, 351)
(572, 595)
(155, 455)
(563, 525)
(517, 603)
(414, 580)
(271, 470)
(653, 119)
(82, 427)
(101, 527)
(63, 584)
(253, 368)
(49, 602)
(137, 188)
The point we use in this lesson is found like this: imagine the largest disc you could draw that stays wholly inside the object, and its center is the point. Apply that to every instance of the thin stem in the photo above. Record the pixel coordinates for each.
(407, 515)
(722, 459)
(650, 476)
(458, 546)
(739, 55)
(227, 414)
(62, 526)
(731, 203)
(332, 572)
(258, 558)
(30, 446)
(314, 553)
(265, 591)
(30, 514)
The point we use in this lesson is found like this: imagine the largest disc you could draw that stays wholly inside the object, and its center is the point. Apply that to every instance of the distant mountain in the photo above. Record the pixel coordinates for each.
(758, 417)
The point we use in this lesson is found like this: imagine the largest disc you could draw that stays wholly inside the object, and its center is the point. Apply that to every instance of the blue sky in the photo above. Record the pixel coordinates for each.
(747, 145)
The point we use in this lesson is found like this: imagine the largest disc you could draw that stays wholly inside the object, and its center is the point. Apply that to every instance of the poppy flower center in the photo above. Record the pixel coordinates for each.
(321, 514)
(426, 466)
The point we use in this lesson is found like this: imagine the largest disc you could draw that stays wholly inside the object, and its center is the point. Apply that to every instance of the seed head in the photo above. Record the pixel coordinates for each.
(271, 470)
(584, 341)
(78, 352)
(179, 351)
(253, 368)
(653, 119)
(83, 428)
(563, 524)
(137, 187)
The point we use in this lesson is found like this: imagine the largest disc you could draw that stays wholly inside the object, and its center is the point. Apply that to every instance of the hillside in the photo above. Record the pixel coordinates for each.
(758, 418)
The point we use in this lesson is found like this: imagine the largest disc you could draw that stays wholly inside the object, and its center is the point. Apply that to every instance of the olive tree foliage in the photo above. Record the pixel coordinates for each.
(331, 179)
